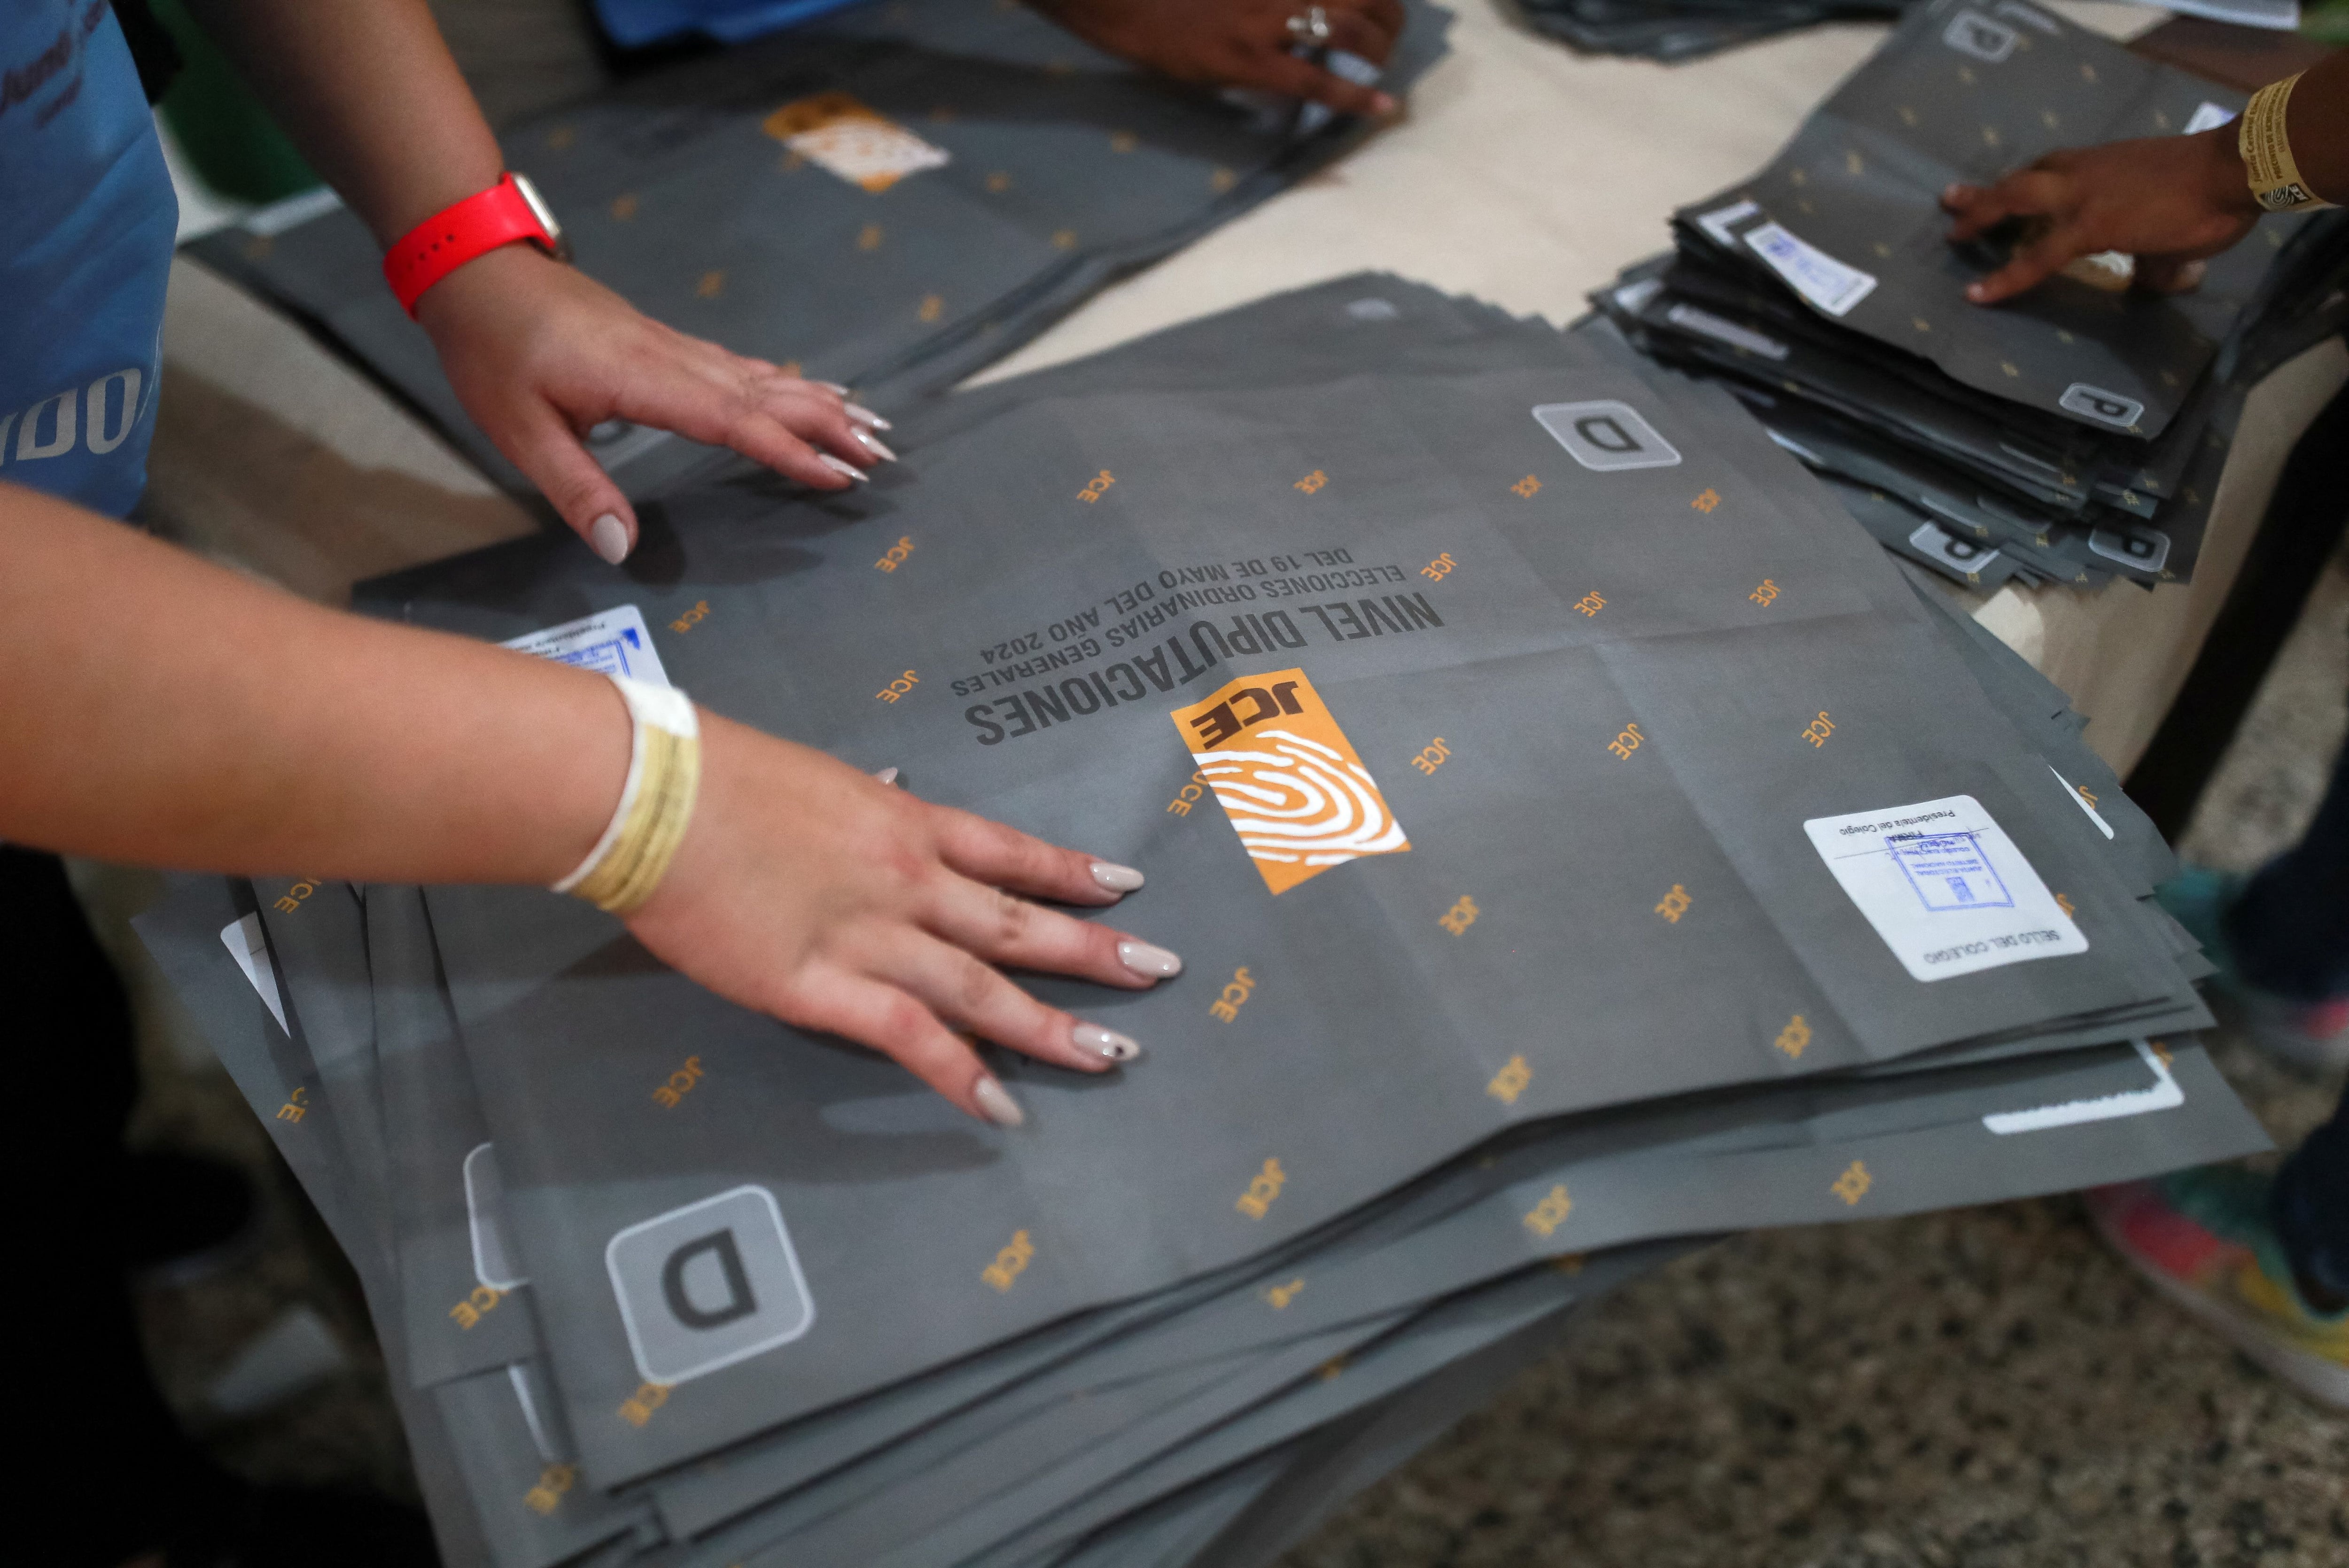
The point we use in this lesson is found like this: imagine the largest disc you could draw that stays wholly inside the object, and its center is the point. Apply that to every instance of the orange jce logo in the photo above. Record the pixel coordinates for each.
(1289, 779)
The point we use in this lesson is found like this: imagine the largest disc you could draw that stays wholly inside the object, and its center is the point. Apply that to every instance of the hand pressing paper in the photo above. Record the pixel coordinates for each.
(1945, 887)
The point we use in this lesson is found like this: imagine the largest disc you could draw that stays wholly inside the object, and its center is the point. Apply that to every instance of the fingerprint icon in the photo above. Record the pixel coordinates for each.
(1295, 792)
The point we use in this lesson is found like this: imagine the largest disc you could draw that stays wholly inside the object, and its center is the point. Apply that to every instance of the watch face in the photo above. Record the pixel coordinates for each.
(544, 213)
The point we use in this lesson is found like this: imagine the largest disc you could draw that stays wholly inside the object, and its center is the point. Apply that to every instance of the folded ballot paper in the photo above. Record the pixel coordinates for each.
(2075, 434)
(890, 196)
(1583, 839)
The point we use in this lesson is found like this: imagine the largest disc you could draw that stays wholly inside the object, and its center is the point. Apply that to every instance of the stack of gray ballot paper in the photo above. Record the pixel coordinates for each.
(889, 198)
(2074, 434)
(1584, 841)
(1687, 29)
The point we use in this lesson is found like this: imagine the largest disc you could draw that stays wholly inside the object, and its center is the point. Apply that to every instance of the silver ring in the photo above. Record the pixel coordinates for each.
(1311, 25)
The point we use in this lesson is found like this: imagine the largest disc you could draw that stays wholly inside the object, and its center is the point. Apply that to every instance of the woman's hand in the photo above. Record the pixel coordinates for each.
(539, 354)
(2169, 200)
(1240, 43)
(810, 891)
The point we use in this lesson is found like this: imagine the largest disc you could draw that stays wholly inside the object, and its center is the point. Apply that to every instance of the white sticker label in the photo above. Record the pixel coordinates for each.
(1689, 318)
(2096, 403)
(2209, 117)
(2162, 1094)
(1951, 550)
(1971, 33)
(1810, 271)
(841, 137)
(614, 642)
(245, 944)
(1945, 887)
(1720, 222)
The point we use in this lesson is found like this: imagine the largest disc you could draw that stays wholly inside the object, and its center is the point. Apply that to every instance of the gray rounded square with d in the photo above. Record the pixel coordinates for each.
(706, 1286)
(1606, 433)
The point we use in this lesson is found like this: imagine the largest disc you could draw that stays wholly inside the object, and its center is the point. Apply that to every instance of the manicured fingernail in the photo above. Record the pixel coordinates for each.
(832, 386)
(841, 466)
(877, 445)
(1976, 292)
(866, 417)
(1143, 959)
(887, 776)
(1106, 1043)
(995, 1103)
(1116, 878)
(607, 536)
(1383, 103)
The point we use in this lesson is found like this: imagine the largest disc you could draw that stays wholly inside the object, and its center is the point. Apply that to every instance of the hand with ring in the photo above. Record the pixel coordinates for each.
(1244, 42)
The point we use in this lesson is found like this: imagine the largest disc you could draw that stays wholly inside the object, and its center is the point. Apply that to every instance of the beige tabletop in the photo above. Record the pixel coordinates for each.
(1521, 172)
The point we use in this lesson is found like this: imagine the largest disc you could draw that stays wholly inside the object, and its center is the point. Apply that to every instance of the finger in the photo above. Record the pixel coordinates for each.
(2030, 266)
(988, 851)
(1006, 929)
(971, 995)
(1284, 73)
(2031, 192)
(1389, 17)
(738, 419)
(822, 419)
(547, 451)
(901, 1028)
(1358, 33)
(2170, 275)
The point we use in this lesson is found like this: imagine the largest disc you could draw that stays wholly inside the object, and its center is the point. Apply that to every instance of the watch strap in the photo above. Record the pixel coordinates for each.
(450, 238)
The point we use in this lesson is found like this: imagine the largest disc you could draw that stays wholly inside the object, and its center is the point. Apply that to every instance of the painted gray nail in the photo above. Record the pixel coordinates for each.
(841, 466)
(1106, 1043)
(995, 1103)
(832, 386)
(866, 417)
(607, 536)
(1143, 959)
(877, 445)
(887, 776)
(1116, 878)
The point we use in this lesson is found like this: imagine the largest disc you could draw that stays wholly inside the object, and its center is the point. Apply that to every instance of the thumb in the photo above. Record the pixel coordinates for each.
(554, 460)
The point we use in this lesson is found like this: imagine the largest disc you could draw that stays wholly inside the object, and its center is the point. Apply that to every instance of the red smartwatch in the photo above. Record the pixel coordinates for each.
(509, 210)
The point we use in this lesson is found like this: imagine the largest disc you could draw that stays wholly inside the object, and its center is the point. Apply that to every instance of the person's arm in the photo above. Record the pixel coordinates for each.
(182, 716)
(2170, 201)
(538, 352)
(1241, 43)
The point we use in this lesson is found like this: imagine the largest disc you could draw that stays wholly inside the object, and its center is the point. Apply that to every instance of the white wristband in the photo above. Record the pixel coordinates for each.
(650, 707)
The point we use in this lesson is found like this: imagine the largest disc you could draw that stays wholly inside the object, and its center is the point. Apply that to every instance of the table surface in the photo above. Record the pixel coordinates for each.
(1520, 172)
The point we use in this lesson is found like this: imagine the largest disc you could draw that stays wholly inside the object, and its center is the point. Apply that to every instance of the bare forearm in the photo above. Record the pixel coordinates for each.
(368, 90)
(173, 713)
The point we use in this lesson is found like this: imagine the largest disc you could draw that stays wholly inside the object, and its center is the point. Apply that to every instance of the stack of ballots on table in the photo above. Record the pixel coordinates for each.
(2075, 434)
(889, 198)
(1582, 838)
(1687, 29)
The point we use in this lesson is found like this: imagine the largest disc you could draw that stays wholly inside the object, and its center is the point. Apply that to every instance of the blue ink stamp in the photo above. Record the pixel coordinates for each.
(1949, 871)
(612, 656)
(613, 642)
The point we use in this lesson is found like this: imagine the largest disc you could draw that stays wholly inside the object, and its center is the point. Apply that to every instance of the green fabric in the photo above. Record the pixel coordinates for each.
(226, 134)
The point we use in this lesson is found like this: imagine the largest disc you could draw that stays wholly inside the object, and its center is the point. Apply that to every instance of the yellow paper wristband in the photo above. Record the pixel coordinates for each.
(655, 803)
(2265, 143)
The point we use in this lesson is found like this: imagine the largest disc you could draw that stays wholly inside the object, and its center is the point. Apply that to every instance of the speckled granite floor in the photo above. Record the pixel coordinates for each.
(1976, 1388)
